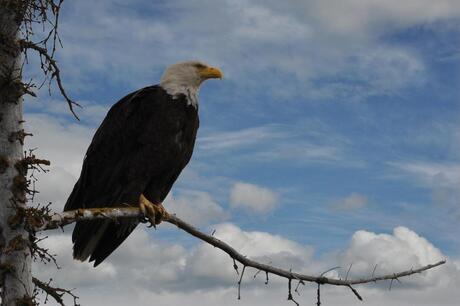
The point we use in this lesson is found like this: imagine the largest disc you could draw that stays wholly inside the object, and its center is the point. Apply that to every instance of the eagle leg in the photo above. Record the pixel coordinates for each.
(154, 213)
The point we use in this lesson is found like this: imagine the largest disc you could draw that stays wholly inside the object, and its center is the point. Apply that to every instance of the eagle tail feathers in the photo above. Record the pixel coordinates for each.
(85, 243)
(97, 239)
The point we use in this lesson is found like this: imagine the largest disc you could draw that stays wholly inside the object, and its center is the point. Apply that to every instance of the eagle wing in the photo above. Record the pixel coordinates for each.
(141, 147)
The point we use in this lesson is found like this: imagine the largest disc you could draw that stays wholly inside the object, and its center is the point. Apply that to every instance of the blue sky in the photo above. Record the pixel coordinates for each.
(333, 118)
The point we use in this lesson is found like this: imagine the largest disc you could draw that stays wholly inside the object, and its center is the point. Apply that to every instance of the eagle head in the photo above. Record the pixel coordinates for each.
(190, 73)
(186, 78)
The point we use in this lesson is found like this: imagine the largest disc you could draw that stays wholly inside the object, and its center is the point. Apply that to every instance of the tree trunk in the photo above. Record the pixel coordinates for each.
(15, 256)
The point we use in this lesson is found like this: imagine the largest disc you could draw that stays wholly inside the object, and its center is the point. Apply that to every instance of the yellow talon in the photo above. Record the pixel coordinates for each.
(154, 213)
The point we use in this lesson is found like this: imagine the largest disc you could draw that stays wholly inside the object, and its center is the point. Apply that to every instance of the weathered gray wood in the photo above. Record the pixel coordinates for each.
(16, 276)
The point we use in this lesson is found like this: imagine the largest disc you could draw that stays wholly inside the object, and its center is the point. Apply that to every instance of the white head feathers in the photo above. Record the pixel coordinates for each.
(186, 77)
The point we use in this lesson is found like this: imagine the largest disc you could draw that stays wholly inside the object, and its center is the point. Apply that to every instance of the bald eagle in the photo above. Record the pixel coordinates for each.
(136, 155)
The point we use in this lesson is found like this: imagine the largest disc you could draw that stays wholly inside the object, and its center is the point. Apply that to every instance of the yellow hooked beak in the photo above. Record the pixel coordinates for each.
(211, 73)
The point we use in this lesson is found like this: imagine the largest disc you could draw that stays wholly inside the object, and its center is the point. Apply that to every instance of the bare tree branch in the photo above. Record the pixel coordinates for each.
(56, 293)
(53, 68)
(285, 273)
(59, 220)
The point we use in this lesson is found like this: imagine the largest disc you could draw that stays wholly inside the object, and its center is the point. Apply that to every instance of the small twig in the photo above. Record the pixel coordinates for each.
(235, 266)
(290, 298)
(318, 295)
(329, 270)
(373, 271)
(258, 271)
(239, 283)
(355, 292)
(40, 253)
(300, 282)
(349, 268)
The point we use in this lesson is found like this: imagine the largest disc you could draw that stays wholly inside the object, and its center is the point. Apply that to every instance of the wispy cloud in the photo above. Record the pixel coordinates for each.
(228, 140)
(354, 201)
(430, 173)
(275, 143)
(313, 42)
(91, 113)
(442, 179)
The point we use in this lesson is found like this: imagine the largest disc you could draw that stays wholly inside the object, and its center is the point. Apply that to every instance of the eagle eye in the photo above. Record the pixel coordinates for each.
(199, 66)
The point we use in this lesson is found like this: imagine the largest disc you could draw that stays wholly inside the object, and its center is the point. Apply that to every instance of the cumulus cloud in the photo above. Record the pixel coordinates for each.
(154, 265)
(251, 197)
(148, 268)
(139, 261)
(64, 144)
(58, 140)
(402, 250)
(196, 207)
(351, 202)
(217, 268)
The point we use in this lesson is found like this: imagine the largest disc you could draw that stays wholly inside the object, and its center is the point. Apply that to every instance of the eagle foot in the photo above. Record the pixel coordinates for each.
(153, 213)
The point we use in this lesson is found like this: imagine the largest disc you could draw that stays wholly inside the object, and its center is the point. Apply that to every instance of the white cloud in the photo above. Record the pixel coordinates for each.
(301, 142)
(207, 263)
(89, 113)
(64, 145)
(195, 207)
(442, 178)
(272, 295)
(253, 198)
(351, 202)
(157, 266)
(354, 16)
(296, 44)
(145, 269)
(73, 274)
(139, 262)
(428, 173)
(301, 151)
(228, 140)
(401, 251)
(265, 25)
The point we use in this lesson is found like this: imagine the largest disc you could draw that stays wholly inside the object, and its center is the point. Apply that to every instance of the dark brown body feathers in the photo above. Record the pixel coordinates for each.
(141, 147)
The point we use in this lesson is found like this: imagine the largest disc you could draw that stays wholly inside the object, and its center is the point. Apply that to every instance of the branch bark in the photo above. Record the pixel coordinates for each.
(59, 220)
